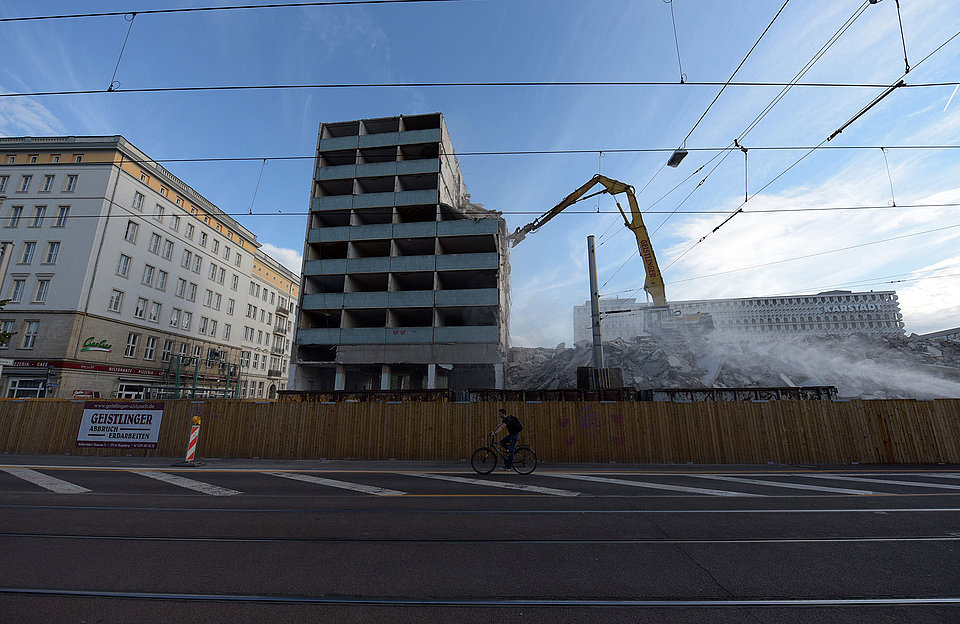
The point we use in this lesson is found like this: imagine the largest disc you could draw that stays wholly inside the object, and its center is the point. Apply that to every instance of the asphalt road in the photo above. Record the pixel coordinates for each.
(135, 540)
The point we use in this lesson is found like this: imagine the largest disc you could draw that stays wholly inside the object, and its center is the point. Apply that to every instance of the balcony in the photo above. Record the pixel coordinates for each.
(280, 331)
(274, 373)
(282, 311)
(277, 350)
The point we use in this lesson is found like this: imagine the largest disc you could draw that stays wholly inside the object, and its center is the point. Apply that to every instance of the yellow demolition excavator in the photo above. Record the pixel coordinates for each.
(659, 318)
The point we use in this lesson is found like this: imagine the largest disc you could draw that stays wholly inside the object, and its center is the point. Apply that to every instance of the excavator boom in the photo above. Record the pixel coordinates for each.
(653, 282)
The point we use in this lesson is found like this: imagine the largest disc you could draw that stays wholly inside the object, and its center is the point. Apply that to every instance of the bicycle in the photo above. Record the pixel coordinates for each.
(484, 459)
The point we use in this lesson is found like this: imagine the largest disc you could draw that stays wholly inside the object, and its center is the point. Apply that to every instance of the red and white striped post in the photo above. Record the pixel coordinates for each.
(194, 436)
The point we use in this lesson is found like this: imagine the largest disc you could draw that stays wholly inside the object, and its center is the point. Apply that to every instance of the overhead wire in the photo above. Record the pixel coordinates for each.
(471, 84)
(284, 5)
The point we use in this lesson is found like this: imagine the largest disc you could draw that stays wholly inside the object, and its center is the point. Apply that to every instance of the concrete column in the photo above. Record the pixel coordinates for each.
(384, 376)
(498, 376)
(431, 376)
(340, 381)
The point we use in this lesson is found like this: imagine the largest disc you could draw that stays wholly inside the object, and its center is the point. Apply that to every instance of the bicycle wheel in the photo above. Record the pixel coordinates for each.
(484, 460)
(524, 460)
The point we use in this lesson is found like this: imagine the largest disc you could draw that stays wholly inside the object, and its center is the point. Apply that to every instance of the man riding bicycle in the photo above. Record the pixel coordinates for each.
(509, 441)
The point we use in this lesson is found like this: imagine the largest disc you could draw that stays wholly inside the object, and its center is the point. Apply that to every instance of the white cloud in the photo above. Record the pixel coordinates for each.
(21, 116)
(290, 258)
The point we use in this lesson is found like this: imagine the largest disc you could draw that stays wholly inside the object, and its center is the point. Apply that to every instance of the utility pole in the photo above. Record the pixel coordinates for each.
(595, 313)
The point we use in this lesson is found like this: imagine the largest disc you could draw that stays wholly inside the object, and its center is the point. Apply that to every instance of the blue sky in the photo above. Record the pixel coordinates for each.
(555, 40)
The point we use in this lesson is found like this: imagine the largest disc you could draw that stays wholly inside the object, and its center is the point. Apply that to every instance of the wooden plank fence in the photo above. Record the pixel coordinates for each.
(820, 432)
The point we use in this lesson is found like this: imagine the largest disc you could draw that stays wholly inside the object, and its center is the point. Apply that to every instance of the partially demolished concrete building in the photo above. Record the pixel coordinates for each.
(405, 281)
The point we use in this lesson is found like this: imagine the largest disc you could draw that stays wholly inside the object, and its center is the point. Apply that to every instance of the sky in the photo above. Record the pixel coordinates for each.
(908, 241)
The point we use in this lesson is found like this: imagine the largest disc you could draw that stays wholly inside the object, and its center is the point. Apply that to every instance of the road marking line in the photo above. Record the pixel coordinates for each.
(656, 486)
(190, 484)
(941, 486)
(500, 484)
(343, 485)
(795, 486)
(45, 481)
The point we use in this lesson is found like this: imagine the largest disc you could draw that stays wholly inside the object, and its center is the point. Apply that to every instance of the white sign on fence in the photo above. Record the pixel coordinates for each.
(120, 424)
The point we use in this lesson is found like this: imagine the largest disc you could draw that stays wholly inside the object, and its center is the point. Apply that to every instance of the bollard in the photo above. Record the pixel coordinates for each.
(192, 444)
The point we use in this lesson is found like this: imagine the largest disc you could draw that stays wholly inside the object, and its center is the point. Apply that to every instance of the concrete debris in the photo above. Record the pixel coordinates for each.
(867, 367)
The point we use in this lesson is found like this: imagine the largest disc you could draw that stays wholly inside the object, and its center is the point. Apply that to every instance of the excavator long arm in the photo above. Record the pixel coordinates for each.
(653, 283)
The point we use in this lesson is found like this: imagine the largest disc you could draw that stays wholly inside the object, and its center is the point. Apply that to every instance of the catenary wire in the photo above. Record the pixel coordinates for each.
(424, 85)
(245, 7)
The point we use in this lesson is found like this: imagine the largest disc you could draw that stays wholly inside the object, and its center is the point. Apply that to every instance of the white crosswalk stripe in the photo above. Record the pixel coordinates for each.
(655, 486)
(46, 481)
(781, 484)
(343, 485)
(190, 484)
(941, 486)
(498, 484)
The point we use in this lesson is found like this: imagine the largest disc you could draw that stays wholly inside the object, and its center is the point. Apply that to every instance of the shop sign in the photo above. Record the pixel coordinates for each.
(92, 344)
(120, 424)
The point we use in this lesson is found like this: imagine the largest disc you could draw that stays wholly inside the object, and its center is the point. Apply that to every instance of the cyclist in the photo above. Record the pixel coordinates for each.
(509, 441)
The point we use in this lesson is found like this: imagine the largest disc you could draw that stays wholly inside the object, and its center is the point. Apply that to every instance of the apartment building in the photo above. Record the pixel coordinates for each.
(405, 280)
(833, 313)
(125, 282)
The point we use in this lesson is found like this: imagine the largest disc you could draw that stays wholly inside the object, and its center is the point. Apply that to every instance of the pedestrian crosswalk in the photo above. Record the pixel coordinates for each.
(459, 482)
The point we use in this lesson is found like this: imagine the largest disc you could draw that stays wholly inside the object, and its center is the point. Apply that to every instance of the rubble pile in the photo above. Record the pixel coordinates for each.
(860, 366)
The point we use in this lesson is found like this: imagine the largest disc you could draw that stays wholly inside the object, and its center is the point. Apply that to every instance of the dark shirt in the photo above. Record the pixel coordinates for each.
(513, 424)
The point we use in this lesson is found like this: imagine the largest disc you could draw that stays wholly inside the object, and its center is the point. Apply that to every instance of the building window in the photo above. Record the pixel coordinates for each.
(78, 159)
(213, 327)
(11, 160)
(230, 305)
(25, 389)
(217, 298)
(235, 282)
(53, 250)
(186, 258)
(131, 349)
(3, 183)
(203, 239)
(144, 178)
(187, 319)
(216, 247)
(24, 184)
(203, 324)
(123, 266)
(31, 329)
(167, 350)
(221, 275)
(33, 159)
(16, 290)
(236, 260)
(62, 213)
(226, 331)
(38, 213)
(150, 347)
(7, 327)
(71, 184)
(55, 158)
(175, 223)
(154, 312)
(226, 253)
(154, 243)
(192, 292)
(179, 201)
(181, 287)
(28, 249)
(141, 308)
(175, 317)
(167, 249)
(43, 287)
(208, 298)
(188, 231)
(213, 272)
(47, 184)
(148, 272)
(15, 213)
(131, 233)
(197, 263)
(116, 301)
(183, 351)
(138, 201)
(158, 214)
(161, 280)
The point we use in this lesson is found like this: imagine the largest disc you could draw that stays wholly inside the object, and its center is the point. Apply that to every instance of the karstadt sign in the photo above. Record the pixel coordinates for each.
(851, 307)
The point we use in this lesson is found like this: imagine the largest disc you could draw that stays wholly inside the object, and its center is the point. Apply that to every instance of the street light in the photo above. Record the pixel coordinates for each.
(676, 158)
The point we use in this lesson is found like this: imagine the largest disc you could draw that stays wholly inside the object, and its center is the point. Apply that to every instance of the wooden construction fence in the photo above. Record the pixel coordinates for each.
(820, 432)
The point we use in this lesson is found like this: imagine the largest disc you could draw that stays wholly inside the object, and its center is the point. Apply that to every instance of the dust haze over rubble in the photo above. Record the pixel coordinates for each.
(859, 366)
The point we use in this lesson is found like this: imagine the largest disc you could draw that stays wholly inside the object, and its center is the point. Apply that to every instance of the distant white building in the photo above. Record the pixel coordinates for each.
(836, 312)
